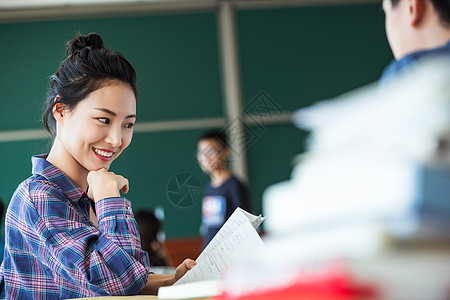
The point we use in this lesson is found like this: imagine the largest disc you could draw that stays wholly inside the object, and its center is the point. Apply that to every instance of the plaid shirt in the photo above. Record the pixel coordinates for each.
(54, 251)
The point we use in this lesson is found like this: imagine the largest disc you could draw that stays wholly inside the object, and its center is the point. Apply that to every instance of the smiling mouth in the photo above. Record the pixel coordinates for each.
(103, 154)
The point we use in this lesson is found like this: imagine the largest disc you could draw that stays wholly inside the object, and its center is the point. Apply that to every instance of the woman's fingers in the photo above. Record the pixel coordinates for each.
(126, 185)
(104, 184)
(185, 266)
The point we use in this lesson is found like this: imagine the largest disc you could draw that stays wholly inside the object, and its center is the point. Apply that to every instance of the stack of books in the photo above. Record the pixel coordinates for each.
(366, 213)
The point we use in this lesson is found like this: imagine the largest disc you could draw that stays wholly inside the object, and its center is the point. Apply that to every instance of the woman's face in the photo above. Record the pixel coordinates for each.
(100, 127)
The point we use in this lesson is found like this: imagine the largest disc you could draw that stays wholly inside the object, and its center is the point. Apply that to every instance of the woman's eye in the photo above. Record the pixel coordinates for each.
(129, 125)
(104, 120)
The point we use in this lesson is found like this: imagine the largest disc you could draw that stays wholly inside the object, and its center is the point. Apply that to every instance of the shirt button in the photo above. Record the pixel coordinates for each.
(129, 208)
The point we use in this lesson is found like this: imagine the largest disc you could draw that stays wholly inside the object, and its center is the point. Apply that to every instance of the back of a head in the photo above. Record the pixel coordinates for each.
(442, 8)
(148, 225)
(89, 66)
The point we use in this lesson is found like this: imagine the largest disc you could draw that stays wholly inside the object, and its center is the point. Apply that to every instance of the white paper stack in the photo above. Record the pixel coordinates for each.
(372, 192)
(369, 154)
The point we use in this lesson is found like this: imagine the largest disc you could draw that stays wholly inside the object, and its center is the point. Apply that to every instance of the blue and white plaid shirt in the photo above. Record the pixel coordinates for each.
(54, 251)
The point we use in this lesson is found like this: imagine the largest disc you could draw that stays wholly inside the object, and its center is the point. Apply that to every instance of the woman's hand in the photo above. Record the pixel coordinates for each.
(155, 281)
(185, 266)
(104, 184)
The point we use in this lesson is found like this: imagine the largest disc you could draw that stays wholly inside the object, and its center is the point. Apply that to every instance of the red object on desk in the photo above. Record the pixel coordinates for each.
(334, 284)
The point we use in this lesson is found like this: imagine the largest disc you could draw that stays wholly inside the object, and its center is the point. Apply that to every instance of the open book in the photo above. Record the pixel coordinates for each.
(236, 240)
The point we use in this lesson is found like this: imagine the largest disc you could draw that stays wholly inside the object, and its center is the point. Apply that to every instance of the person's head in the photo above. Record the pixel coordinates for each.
(91, 102)
(212, 151)
(149, 227)
(413, 25)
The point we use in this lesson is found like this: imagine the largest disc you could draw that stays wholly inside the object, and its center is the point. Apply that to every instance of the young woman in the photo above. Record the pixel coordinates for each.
(69, 233)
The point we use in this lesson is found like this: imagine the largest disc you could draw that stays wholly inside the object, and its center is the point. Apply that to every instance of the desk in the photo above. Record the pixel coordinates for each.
(138, 297)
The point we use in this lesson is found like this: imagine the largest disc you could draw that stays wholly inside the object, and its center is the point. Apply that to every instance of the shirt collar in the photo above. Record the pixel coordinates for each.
(445, 50)
(42, 167)
(397, 66)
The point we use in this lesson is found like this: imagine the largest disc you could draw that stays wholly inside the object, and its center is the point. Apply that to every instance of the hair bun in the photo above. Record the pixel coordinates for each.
(82, 43)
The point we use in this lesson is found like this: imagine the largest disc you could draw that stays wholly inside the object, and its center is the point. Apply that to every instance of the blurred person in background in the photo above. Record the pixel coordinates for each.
(225, 192)
(416, 29)
(149, 229)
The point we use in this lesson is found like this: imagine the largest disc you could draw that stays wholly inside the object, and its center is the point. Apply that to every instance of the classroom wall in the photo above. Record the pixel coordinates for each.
(290, 57)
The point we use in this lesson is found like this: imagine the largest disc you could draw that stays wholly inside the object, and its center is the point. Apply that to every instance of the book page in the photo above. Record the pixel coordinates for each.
(200, 289)
(236, 219)
(255, 220)
(241, 244)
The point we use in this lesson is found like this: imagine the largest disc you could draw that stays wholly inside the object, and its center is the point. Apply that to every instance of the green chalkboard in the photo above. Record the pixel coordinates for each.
(175, 56)
(301, 55)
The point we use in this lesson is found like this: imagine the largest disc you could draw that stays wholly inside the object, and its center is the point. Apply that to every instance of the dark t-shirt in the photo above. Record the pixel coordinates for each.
(219, 203)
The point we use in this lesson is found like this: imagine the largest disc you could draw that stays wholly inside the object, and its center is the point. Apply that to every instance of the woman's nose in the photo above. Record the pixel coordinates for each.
(115, 137)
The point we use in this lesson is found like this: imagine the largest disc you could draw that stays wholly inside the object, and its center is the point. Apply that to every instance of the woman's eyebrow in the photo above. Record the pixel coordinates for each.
(113, 113)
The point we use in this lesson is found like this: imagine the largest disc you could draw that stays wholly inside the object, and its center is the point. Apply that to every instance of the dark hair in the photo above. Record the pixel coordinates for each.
(219, 136)
(89, 66)
(394, 2)
(149, 226)
(442, 8)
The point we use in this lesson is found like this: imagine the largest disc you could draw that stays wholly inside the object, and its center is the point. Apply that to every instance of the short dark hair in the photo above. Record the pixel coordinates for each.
(219, 136)
(89, 66)
(149, 226)
(442, 8)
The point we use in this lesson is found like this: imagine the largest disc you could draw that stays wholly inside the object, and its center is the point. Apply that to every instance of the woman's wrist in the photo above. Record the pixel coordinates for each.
(155, 281)
(107, 191)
